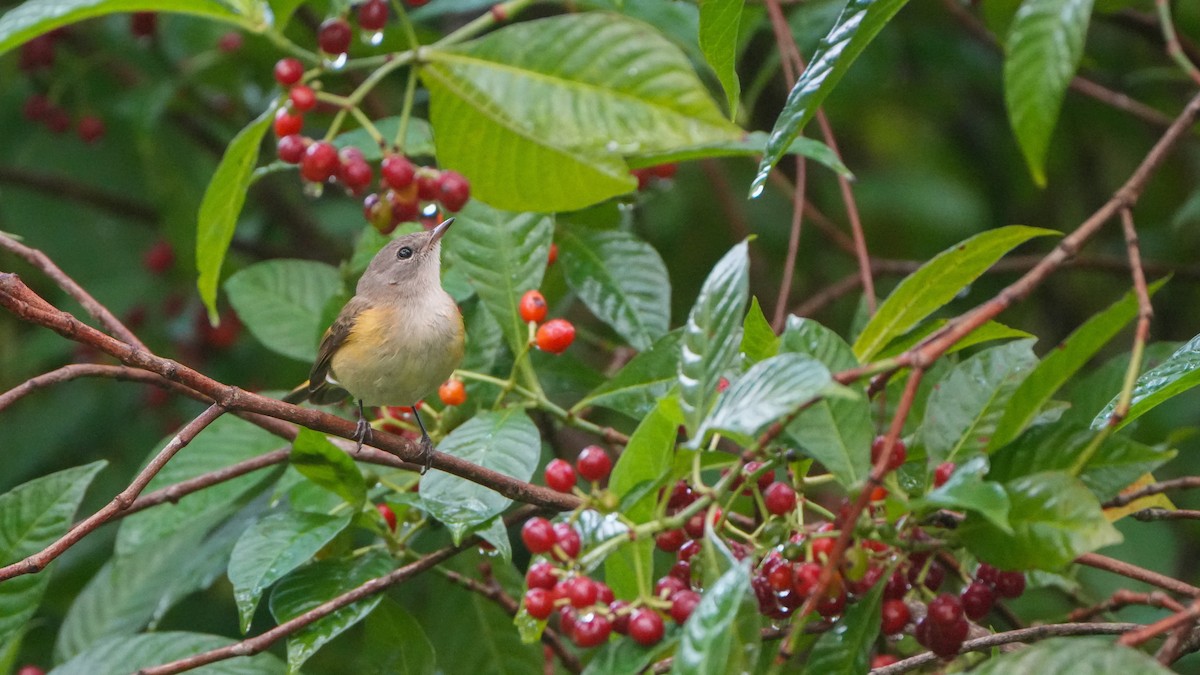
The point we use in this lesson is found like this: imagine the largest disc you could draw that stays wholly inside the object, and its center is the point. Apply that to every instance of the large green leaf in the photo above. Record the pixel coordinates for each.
(281, 302)
(396, 644)
(1073, 655)
(967, 491)
(1063, 362)
(936, 283)
(719, 22)
(835, 431)
(769, 390)
(846, 648)
(227, 441)
(706, 643)
(35, 17)
(222, 204)
(748, 145)
(759, 340)
(621, 657)
(125, 654)
(274, 546)
(857, 26)
(313, 585)
(505, 441)
(33, 516)
(965, 406)
(637, 387)
(540, 114)
(1054, 519)
(712, 334)
(1044, 46)
(327, 465)
(503, 255)
(1172, 377)
(621, 278)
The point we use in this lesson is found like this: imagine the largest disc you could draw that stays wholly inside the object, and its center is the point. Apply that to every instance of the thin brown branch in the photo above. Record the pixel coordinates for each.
(78, 370)
(1152, 515)
(173, 493)
(1145, 314)
(1126, 498)
(1171, 40)
(1137, 573)
(64, 188)
(1144, 633)
(1125, 598)
(793, 250)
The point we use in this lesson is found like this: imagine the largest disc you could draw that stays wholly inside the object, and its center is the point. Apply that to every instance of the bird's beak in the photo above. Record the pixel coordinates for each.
(440, 230)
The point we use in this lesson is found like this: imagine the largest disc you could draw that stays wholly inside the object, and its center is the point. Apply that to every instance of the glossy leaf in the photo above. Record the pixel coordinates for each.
(418, 139)
(539, 114)
(936, 283)
(505, 441)
(712, 334)
(1073, 655)
(967, 491)
(33, 516)
(621, 657)
(1054, 519)
(396, 643)
(274, 546)
(313, 585)
(128, 653)
(621, 278)
(327, 465)
(748, 145)
(759, 340)
(846, 648)
(637, 387)
(1044, 47)
(1176, 375)
(503, 255)
(966, 405)
(990, 331)
(767, 392)
(719, 22)
(706, 641)
(1062, 363)
(857, 26)
(281, 303)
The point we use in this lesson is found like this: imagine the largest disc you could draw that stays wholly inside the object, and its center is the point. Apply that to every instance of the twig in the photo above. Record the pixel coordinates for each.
(78, 370)
(1126, 498)
(1151, 515)
(1124, 598)
(1144, 633)
(63, 188)
(173, 493)
(1172, 41)
(789, 263)
(1145, 314)
(1137, 573)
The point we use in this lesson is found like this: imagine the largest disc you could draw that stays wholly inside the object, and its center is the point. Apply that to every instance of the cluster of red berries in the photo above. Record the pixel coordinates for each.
(648, 175)
(555, 335)
(37, 55)
(593, 463)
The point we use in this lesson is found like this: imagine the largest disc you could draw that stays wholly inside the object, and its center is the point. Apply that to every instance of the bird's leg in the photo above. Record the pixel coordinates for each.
(426, 443)
(362, 430)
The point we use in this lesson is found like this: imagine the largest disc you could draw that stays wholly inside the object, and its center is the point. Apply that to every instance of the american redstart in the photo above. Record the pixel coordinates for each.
(396, 340)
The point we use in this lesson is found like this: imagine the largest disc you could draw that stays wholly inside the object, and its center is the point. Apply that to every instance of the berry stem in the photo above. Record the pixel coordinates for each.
(410, 92)
(367, 125)
(405, 23)
(483, 22)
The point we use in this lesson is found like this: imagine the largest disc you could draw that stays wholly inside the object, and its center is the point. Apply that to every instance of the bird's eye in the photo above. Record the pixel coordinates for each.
(404, 253)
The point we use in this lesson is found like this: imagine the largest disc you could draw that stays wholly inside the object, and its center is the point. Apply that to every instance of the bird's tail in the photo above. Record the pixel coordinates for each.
(322, 394)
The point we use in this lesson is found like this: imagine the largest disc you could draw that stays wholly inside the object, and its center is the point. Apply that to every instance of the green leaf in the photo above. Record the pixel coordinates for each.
(495, 533)
(759, 340)
(327, 465)
(712, 334)
(33, 516)
(222, 204)
(719, 22)
(274, 546)
(857, 26)
(396, 644)
(1054, 519)
(225, 442)
(967, 491)
(621, 657)
(36, 17)
(706, 642)
(990, 331)
(505, 441)
(1062, 363)
(1044, 46)
(1113, 466)
(638, 387)
(503, 255)
(846, 648)
(418, 139)
(125, 654)
(315, 584)
(621, 278)
(1172, 377)
(965, 406)
(281, 302)
(836, 431)
(1073, 655)
(539, 114)
(749, 145)
(768, 391)
(936, 283)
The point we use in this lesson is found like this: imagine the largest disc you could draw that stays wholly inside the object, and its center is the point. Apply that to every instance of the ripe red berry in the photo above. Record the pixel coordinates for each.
(559, 475)
(934, 576)
(619, 609)
(31, 670)
(945, 610)
(303, 98)
(765, 479)
(896, 459)
(579, 591)
(664, 170)
(804, 578)
(320, 162)
(532, 306)
(646, 627)
(373, 15)
(230, 42)
(1010, 584)
(591, 630)
(569, 542)
(389, 516)
(593, 463)
(355, 174)
(604, 593)
(36, 107)
(90, 129)
(552, 256)
(288, 123)
(895, 617)
(896, 587)
(942, 473)
(977, 600)
(404, 204)
(288, 71)
(538, 535)
(453, 392)
(668, 586)
(160, 257)
(555, 336)
(541, 575)
(683, 603)
(832, 602)
(37, 53)
(779, 498)
(224, 334)
(397, 171)
(143, 24)
(780, 577)
(428, 182)
(883, 660)
(291, 148)
(822, 547)
(539, 602)
(688, 550)
(670, 540)
(334, 36)
(453, 190)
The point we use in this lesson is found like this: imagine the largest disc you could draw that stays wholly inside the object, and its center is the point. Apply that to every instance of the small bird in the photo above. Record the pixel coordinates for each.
(396, 340)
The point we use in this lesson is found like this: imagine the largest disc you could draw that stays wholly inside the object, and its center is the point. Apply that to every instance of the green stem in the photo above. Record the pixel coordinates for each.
(406, 23)
(484, 22)
(410, 92)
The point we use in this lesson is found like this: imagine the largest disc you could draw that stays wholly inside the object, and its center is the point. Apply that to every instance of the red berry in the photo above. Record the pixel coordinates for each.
(822, 547)
(288, 123)
(943, 640)
(355, 175)
(404, 204)
(37, 53)
(160, 257)
(780, 578)
(291, 148)
(580, 591)
(389, 516)
(945, 610)
(688, 550)
(288, 71)
(568, 542)
(670, 540)
(552, 255)
(373, 15)
(1010, 584)
(428, 183)
(895, 617)
(538, 535)
(90, 129)
(230, 42)
(682, 570)
(805, 577)
(832, 602)
(334, 36)
(453, 392)
(453, 190)
(31, 670)
(320, 162)
(303, 98)
(620, 616)
(668, 586)
(397, 171)
(977, 600)
(541, 575)
(722, 385)
(664, 170)
(934, 576)
(143, 24)
(896, 459)
(532, 306)
(224, 334)
(36, 108)
(942, 473)
(539, 602)
(987, 573)
(896, 587)
(591, 630)
(555, 336)
(779, 498)
(593, 463)
(683, 603)
(566, 619)
(646, 627)
(604, 593)
(560, 476)
(882, 660)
